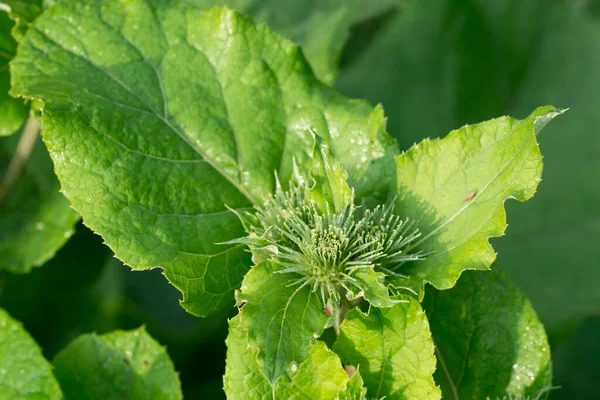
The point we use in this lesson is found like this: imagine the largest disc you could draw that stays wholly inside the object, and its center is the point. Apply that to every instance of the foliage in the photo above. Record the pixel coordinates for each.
(199, 142)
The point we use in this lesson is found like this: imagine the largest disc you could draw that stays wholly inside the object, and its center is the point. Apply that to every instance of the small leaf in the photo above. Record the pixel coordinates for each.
(374, 288)
(489, 340)
(329, 190)
(124, 365)
(320, 376)
(454, 189)
(159, 115)
(281, 318)
(393, 349)
(24, 372)
(355, 390)
(35, 219)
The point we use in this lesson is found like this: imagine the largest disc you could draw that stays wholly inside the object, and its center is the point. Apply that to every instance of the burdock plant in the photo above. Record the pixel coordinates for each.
(168, 124)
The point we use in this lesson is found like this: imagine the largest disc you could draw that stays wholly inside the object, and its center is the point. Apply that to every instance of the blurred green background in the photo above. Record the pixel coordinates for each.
(435, 65)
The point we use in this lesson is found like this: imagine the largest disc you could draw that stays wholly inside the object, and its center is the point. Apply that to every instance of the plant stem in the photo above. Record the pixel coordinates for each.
(22, 153)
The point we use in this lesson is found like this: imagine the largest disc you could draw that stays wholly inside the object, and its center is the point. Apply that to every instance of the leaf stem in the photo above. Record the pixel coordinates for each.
(22, 153)
(339, 313)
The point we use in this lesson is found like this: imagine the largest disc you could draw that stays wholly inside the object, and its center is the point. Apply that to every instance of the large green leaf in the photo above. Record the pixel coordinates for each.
(454, 190)
(24, 372)
(393, 349)
(320, 376)
(551, 248)
(117, 365)
(35, 219)
(158, 115)
(281, 318)
(12, 111)
(489, 340)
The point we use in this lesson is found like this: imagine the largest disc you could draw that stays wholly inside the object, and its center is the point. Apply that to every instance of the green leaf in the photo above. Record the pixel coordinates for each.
(355, 390)
(12, 111)
(393, 349)
(24, 372)
(374, 287)
(454, 189)
(320, 376)
(329, 190)
(150, 171)
(119, 364)
(35, 219)
(281, 318)
(489, 340)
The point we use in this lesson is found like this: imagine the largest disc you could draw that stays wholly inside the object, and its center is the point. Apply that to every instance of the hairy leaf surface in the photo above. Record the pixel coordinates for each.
(393, 349)
(118, 364)
(320, 376)
(151, 138)
(485, 327)
(35, 219)
(24, 372)
(454, 190)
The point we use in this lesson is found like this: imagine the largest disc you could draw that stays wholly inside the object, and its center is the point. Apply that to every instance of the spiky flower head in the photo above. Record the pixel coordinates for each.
(326, 249)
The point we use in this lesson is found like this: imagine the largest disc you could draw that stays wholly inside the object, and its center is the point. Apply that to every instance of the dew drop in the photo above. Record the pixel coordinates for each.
(128, 353)
(316, 335)
(40, 226)
(515, 366)
(294, 366)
